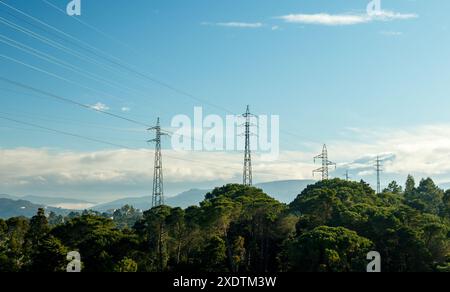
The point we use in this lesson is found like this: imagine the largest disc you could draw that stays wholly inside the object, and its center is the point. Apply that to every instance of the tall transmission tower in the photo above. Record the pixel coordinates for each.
(347, 175)
(379, 169)
(158, 182)
(248, 171)
(324, 170)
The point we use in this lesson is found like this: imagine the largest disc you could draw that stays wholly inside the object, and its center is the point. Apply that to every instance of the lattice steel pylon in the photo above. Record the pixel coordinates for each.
(379, 169)
(347, 175)
(324, 170)
(248, 170)
(158, 182)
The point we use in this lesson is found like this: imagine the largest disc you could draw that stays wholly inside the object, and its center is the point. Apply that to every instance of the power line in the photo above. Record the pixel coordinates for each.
(100, 141)
(58, 76)
(67, 100)
(126, 67)
(88, 107)
(58, 119)
(51, 59)
(58, 46)
(64, 133)
(56, 29)
(95, 29)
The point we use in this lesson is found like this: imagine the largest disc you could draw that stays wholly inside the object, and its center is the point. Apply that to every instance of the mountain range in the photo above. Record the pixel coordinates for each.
(56, 202)
(10, 206)
(16, 208)
(283, 191)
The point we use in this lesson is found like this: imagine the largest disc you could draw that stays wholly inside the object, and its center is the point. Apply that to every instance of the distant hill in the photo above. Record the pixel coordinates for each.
(284, 191)
(183, 200)
(16, 208)
(56, 202)
(445, 186)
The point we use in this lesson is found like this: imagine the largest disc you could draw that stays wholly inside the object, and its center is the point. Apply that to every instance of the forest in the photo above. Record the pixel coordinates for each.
(330, 227)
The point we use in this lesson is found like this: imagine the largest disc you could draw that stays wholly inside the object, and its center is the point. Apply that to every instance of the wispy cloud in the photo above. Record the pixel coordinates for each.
(100, 106)
(421, 151)
(235, 24)
(391, 33)
(125, 109)
(345, 19)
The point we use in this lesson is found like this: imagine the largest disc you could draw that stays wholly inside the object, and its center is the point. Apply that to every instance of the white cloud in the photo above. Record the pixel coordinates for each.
(324, 19)
(236, 24)
(100, 106)
(345, 19)
(125, 109)
(391, 33)
(421, 151)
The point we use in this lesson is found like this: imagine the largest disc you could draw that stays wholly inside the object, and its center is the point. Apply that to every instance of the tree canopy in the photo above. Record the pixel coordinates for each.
(330, 227)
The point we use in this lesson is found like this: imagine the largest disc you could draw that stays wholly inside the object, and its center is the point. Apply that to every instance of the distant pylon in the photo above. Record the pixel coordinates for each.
(248, 171)
(378, 167)
(325, 163)
(346, 175)
(158, 182)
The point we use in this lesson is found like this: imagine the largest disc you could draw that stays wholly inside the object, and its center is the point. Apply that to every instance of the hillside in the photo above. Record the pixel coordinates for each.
(183, 200)
(57, 202)
(283, 191)
(16, 208)
(330, 227)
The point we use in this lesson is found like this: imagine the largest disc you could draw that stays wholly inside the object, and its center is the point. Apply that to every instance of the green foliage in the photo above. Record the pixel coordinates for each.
(14, 253)
(408, 238)
(100, 243)
(126, 217)
(328, 249)
(49, 255)
(394, 188)
(410, 186)
(427, 197)
(329, 227)
(445, 211)
(126, 265)
(214, 255)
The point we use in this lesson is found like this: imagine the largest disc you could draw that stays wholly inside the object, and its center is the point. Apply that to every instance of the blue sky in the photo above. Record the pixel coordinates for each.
(344, 84)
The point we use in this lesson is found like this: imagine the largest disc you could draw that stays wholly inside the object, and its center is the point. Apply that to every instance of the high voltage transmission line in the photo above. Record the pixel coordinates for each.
(61, 63)
(84, 106)
(117, 61)
(87, 107)
(248, 176)
(100, 141)
(64, 133)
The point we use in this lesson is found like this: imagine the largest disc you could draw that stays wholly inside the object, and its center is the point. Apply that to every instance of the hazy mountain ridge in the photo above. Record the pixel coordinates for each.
(183, 200)
(283, 191)
(56, 202)
(16, 208)
(11, 206)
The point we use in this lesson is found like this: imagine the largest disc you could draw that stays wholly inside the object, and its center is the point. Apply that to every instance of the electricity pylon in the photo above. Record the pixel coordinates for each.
(378, 167)
(324, 170)
(347, 175)
(248, 171)
(158, 182)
